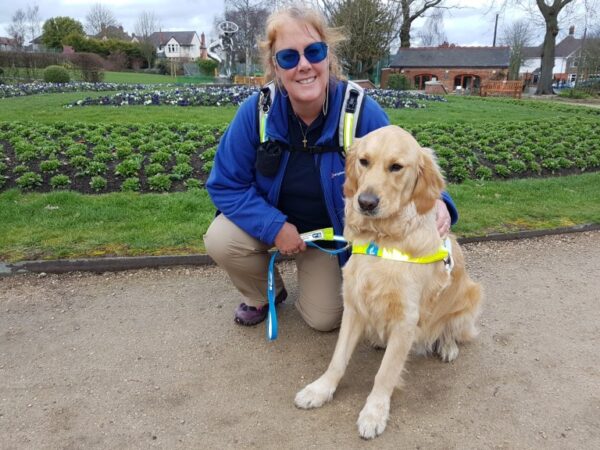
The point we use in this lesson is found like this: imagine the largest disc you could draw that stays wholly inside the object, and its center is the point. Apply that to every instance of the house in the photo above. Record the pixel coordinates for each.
(7, 44)
(455, 68)
(177, 44)
(565, 60)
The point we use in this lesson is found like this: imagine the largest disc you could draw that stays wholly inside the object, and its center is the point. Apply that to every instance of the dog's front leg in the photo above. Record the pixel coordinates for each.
(321, 391)
(373, 418)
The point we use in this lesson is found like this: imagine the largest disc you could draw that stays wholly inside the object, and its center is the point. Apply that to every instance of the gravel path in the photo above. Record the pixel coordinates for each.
(152, 359)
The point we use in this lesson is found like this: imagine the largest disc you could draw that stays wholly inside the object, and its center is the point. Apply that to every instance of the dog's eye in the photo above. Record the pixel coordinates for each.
(395, 167)
(363, 162)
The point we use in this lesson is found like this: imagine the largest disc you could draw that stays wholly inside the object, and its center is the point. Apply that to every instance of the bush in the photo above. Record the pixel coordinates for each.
(56, 74)
(398, 82)
(207, 67)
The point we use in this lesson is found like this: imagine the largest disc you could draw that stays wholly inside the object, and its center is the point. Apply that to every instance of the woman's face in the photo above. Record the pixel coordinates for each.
(305, 83)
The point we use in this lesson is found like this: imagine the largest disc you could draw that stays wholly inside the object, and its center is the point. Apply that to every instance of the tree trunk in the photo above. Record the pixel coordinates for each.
(405, 27)
(548, 51)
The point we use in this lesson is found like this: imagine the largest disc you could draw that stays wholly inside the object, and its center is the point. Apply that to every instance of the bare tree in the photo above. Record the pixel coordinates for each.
(250, 16)
(516, 35)
(146, 24)
(18, 28)
(433, 34)
(99, 18)
(33, 21)
(411, 11)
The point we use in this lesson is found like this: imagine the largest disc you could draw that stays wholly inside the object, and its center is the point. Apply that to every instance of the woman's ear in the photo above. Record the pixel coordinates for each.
(351, 183)
(430, 183)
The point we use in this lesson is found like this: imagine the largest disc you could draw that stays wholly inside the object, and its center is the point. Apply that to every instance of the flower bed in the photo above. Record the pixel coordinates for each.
(234, 96)
(97, 158)
(40, 87)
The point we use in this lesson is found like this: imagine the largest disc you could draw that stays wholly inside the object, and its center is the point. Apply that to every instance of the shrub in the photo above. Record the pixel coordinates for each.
(29, 180)
(131, 184)
(207, 67)
(159, 182)
(60, 182)
(98, 183)
(56, 74)
(398, 82)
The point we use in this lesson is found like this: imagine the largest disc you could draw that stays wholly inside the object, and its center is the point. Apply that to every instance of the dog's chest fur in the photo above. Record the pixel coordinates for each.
(384, 292)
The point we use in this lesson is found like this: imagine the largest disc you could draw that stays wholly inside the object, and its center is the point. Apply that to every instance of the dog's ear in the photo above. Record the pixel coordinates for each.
(351, 182)
(430, 183)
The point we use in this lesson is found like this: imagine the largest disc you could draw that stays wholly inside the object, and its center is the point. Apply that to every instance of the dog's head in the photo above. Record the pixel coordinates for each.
(386, 170)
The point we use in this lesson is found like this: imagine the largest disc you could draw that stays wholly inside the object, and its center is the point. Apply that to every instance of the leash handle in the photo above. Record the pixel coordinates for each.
(325, 234)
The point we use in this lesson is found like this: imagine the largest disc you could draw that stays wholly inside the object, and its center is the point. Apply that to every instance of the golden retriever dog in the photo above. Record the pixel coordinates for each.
(391, 189)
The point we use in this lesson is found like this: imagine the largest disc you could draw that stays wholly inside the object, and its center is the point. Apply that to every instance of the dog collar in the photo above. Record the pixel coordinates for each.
(394, 254)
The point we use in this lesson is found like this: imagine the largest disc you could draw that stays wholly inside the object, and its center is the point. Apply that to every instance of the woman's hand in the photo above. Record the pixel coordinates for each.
(288, 240)
(442, 218)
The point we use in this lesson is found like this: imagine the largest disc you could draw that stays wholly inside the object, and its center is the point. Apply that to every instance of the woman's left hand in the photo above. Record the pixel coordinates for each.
(442, 218)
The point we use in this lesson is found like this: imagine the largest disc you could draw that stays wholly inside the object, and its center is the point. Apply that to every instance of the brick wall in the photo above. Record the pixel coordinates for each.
(444, 76)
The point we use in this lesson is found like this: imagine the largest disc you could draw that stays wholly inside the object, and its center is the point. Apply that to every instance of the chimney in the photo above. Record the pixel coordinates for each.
(571, 30)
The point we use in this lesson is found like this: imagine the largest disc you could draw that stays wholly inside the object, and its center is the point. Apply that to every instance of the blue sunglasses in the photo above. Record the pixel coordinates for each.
(289, 58)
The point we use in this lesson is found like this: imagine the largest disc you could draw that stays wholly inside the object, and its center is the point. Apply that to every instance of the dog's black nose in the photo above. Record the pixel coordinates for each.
(368, 201)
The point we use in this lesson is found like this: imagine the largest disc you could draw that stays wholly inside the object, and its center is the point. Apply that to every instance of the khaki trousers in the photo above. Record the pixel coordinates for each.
(246, 261)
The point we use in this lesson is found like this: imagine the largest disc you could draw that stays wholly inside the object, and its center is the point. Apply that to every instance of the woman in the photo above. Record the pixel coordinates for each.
(304, 191)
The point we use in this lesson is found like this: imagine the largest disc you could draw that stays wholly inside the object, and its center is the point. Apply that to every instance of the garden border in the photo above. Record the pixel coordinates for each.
(115, 264)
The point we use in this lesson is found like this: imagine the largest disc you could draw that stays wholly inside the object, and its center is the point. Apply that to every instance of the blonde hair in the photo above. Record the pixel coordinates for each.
(280, 18)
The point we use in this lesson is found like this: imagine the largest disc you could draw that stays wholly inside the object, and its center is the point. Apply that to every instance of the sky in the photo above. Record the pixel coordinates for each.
(470, 25)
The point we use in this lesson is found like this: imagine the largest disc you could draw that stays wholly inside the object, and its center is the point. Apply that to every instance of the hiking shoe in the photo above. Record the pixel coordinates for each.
(250, 315)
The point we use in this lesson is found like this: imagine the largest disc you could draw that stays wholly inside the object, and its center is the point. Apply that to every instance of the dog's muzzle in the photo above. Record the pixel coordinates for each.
(368, 202)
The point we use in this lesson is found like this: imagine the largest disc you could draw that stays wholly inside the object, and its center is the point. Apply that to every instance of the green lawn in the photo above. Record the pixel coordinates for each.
(66, 224)
(50, 107)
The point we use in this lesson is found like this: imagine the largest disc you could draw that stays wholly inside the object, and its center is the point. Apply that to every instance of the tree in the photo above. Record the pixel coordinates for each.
(56, 29)
(411, 11)
(146, 24)
(550, 14)
(433, 34)
(99, 18)
(517, 35)
(33, 21)
(370, 25)
(18, 28)
(250, 16)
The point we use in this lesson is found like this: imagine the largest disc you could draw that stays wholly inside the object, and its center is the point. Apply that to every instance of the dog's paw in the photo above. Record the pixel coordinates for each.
(373, 418)
(314, 395)
(448, 350)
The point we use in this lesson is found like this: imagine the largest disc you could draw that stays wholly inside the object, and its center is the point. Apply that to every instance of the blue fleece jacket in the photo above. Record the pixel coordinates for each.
(247, 197)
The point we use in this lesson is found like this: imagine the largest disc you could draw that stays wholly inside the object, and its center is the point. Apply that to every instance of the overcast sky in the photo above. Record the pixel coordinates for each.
(469, 25)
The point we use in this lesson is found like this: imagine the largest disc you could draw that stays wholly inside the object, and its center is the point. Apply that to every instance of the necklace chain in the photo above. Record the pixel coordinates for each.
(304, 140)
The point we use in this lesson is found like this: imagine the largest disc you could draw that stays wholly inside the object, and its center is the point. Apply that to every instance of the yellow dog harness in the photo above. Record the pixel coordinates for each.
(444, 253)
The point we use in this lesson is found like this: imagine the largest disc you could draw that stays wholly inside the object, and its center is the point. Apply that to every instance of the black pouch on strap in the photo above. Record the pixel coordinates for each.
(268, 157)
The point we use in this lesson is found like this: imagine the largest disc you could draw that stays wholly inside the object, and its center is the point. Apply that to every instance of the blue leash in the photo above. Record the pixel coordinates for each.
(325, 234)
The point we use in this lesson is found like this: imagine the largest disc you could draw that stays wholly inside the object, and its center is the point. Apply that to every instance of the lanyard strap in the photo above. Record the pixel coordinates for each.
(325, 234)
